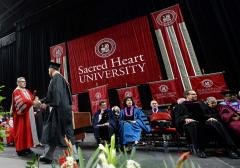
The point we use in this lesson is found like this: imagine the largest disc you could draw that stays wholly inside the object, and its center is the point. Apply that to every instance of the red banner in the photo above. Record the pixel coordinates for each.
(129, 92)
(120, 55)
(58, 55)
(96, 95)
(165, 92)
(75, 103)
(175, 44)
(209, 85)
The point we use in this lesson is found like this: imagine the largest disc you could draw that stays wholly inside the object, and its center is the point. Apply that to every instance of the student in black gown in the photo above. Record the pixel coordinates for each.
(59, 122)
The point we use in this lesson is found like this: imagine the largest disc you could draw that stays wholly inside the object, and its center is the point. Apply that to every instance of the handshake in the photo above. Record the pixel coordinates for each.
(38, 104)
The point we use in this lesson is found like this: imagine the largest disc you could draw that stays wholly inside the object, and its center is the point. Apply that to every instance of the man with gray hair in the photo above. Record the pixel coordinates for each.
(25, 133)
(214, 121)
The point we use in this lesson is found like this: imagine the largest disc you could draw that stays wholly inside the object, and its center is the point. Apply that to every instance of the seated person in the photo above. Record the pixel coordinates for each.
(131, 123)
(103, 123)
(181, 100)
(190, 117)
(154, 106)
(116, 110)
(229, 111)
(212, 113)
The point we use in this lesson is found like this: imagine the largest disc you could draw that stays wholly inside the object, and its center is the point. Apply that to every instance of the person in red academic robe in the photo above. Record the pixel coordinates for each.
(25, 134)
(229, 111)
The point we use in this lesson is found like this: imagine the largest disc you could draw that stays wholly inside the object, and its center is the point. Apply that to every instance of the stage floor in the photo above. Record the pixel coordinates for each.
(148, 156)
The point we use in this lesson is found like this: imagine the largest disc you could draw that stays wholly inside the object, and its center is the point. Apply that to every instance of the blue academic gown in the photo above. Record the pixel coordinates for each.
(131, 132)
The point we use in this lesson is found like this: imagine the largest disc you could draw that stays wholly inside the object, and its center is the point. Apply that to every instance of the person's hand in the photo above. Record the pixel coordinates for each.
(36, 98)
(189, 120)
(43, 106)
(36, 103)
(212, 119)
(236, 118)
(106, 124)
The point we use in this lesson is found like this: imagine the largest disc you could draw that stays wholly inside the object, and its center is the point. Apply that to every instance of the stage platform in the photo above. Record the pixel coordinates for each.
(146, 155)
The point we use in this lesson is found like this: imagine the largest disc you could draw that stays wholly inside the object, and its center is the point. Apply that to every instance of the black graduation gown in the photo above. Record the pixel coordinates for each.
(59, 122)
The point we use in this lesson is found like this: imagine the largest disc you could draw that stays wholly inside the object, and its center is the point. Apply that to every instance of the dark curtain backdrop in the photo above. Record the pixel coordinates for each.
(212, 25)
(7, 72)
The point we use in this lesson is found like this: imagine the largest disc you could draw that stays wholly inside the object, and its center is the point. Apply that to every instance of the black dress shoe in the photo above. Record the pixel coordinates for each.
(28, 151)
(201, 154)
(21, 153)
(45, 160)
(231, 154)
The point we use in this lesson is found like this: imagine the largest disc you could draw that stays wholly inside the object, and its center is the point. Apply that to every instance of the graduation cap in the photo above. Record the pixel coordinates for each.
(54, 65)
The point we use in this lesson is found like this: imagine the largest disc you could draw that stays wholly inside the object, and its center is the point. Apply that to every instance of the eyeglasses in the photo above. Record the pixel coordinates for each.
(22, 81)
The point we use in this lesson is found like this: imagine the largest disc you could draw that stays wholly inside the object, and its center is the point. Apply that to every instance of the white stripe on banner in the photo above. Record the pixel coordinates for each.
(190, 49)
(65, 68)
(164, 53)
(171, 45)
(179, 59)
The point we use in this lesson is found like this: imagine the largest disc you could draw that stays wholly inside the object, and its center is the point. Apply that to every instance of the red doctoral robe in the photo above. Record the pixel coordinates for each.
(22, 101)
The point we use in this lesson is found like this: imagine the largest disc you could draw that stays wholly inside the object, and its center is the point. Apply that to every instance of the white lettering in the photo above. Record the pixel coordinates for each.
(118, 62)
(141, 67)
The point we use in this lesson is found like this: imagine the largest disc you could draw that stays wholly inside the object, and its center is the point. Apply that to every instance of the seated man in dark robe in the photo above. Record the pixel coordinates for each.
(103, 123)
(191, 118)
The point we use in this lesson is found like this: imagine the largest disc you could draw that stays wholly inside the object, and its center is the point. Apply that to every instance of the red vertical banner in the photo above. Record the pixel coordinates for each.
(209, 85)
(58, 55)
(175, 44)
(130, 92)
(96, 95)
(165, 92)
(75, 103)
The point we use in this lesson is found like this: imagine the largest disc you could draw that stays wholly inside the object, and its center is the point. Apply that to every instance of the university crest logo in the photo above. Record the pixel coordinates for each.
(163, 88)
(207, 83)
(166, 18)
(98, 96)
(105, 47)
(57, 52)
(128, 94)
